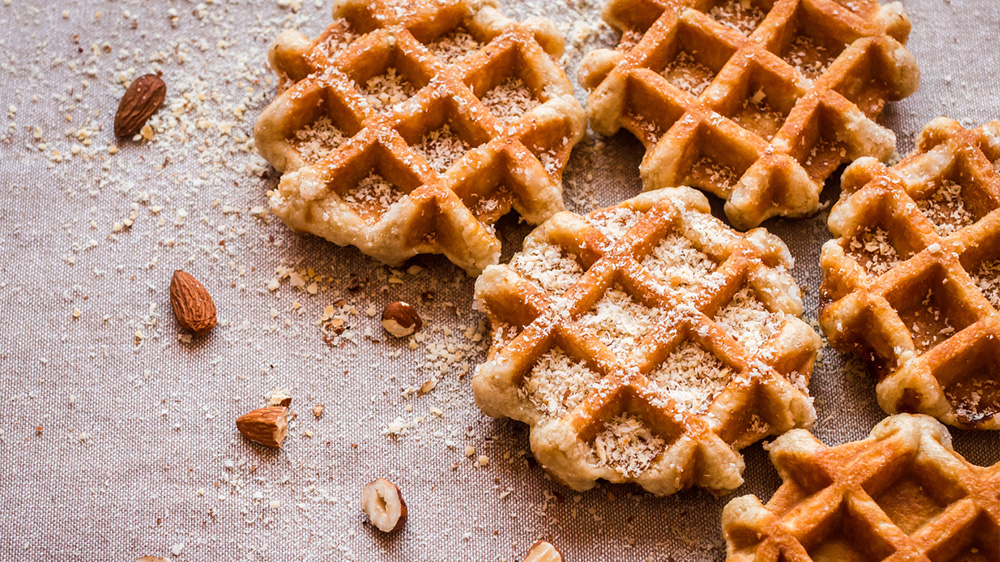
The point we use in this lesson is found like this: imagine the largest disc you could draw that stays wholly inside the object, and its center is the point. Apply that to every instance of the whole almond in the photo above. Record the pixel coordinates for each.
(267, 426)
(141, 100)
(192, 304)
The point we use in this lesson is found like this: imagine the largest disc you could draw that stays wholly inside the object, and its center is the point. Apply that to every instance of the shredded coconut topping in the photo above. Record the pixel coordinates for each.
(808, 56)
(558, 383)
(627, 446)
(946, 209)
(692, 377)
(871, 248)
(748, 321)
(373, 194)
(676, 263)
(318, 139)
(716, 174)
(688, 74)
(547, 265)
(988, 279)
(442, 148)
(386, 90)
(509, 100)
(620, 321)
(741, 15)
(340, 38)
(454, 46)
(614, 223)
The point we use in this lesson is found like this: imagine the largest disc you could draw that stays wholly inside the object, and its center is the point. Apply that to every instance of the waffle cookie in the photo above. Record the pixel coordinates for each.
(911, 283)
(412, 127)
(902, 494)
(646, 343)
(756, 101)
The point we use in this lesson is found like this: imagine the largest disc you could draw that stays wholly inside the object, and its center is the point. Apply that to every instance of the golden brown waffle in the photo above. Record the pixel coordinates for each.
(912, 281)
(646, 343)
(756, 101)
(902, 494)
(411, 127)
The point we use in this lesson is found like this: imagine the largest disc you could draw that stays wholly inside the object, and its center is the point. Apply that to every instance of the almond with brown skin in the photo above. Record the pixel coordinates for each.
(143, 97)
(192, 304)
(267, 426)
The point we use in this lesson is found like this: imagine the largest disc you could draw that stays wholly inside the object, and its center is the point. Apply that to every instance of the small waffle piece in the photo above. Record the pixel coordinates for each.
(646, 343)
(912, 281)
(411, 127)
(902, 494)
(756, 101)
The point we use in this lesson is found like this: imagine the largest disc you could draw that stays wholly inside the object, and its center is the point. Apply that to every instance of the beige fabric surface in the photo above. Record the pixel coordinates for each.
(117, 437)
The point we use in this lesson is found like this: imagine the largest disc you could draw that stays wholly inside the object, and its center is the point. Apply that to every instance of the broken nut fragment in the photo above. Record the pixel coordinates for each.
(267, 426)
(400, 319)
(318, 410)
(543, 551)
(384, 505)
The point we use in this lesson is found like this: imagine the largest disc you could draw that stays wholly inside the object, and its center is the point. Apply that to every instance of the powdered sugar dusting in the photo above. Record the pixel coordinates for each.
(627, 446)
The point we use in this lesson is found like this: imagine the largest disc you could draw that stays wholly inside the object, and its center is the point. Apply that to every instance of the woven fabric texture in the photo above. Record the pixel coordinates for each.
(117, 434)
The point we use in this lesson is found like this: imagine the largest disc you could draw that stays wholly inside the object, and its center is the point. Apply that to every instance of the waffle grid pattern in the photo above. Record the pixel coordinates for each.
(911, 280)
(615, 250)
(760, 119)
(379, 85)
(903, 494)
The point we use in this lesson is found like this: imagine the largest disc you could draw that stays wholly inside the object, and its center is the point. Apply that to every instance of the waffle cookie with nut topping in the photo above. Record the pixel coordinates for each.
(646, 343)
(903, 494)
(412, 127)
(912, 281)
(756, 101)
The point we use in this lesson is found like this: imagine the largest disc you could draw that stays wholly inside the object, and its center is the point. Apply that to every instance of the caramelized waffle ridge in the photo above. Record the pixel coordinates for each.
(756, 101)
(902, 494)
(412, 127)
(646, 343)
(912, 281)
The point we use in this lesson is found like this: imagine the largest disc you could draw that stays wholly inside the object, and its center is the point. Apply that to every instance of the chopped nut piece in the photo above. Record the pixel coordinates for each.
(266, 426)
(318, 410)
(400, 319)
(384, 505)
(543, 551)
